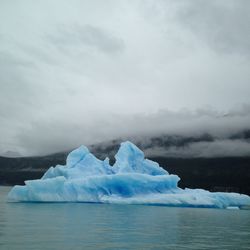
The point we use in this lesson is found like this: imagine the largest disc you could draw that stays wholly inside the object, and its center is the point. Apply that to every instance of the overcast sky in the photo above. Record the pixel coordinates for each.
(80, 72)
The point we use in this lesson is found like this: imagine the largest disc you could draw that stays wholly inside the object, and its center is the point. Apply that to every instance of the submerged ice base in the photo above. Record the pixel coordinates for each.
(131, 180)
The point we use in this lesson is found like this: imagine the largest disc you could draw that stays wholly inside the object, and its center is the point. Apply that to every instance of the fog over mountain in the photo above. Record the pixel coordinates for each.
(171, 76)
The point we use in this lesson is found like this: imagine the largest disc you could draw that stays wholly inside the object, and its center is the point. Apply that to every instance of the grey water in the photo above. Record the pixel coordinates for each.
(103, 226)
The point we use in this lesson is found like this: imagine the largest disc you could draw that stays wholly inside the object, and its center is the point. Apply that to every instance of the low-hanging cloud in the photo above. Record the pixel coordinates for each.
(218, 148)
(203, 132)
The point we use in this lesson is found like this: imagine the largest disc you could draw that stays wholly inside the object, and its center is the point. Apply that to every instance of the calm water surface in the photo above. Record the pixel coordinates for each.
(94, 226)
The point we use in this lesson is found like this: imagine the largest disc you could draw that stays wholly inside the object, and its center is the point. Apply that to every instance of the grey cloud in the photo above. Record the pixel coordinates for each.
(17, 98)
(223, 25)
(81, 74)
(87, 35)
(12, 81)
(37, 55)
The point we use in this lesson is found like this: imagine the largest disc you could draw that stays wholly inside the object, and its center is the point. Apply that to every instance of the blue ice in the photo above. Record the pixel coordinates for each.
(131, 180)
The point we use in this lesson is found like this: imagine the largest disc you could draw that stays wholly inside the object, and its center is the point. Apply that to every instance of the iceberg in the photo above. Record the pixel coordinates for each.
(131, 180)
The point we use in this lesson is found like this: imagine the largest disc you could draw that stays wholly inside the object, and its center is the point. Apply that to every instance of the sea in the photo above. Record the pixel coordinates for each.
(83, 226)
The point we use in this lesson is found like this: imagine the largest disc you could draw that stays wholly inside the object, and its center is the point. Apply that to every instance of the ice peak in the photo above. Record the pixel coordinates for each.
(129, 151)
(76, 156)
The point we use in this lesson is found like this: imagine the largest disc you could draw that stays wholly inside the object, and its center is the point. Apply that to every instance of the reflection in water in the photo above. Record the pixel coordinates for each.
(95, 226)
